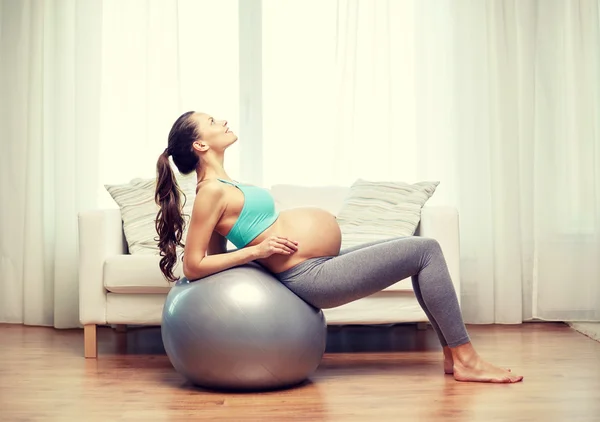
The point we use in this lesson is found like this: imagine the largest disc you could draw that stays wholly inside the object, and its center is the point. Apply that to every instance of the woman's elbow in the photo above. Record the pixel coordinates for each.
(191, 269)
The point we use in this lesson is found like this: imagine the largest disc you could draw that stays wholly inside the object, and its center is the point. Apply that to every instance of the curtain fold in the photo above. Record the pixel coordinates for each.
(499, 100)
(50, 98)
(88, 92)
(496, 99)
(567, 145)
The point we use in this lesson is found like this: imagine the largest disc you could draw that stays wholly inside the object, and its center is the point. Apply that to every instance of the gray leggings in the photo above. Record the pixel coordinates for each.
(360, 271)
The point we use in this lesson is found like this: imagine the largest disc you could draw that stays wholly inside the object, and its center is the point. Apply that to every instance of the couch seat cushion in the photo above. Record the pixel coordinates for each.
(136, 274)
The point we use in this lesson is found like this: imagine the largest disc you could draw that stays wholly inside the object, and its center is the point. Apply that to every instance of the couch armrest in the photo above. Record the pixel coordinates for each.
(100, 236)
(442, 224)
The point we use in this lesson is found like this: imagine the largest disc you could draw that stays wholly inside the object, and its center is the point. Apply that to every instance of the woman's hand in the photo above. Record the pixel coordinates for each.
(275, 244)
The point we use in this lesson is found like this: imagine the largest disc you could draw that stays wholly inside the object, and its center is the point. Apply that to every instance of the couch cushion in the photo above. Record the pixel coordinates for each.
(382, 210)
(136, 274)
(138, 210)
(140, 274)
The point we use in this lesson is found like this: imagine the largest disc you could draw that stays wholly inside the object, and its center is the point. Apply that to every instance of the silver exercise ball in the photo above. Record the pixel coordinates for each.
(241, 329)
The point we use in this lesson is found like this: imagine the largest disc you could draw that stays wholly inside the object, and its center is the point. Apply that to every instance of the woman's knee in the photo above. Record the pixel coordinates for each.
(429, 244)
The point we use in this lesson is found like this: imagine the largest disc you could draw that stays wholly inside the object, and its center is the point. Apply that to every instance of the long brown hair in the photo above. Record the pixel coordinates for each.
(169, 220)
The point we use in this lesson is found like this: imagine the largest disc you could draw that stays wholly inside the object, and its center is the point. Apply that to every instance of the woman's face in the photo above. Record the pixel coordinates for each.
(214, 133)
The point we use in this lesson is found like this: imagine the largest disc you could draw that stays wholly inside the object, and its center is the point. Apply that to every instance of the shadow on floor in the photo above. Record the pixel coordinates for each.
(147, 340)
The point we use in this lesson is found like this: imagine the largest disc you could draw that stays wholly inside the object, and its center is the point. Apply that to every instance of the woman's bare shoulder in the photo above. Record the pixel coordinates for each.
(209, 187)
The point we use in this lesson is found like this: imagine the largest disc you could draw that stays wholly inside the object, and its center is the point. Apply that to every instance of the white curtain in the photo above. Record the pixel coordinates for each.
(530, 181)
(499, 100)
(88, 91)
(49, 134)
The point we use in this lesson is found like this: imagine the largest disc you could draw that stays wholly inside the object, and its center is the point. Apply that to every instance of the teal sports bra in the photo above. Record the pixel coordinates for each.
(258, 213)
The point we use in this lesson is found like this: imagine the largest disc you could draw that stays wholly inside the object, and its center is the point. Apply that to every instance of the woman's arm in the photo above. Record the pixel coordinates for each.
(204, 251)
(217, 244)
(209, 206)
(212, 264)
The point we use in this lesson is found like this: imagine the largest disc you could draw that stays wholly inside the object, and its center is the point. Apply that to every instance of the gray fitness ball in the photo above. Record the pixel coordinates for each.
(241, 329)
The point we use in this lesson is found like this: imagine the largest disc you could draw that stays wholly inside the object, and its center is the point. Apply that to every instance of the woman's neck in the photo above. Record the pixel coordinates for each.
(211, 168)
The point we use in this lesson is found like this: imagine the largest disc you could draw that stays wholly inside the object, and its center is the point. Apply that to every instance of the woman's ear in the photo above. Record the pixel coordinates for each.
(200, 146)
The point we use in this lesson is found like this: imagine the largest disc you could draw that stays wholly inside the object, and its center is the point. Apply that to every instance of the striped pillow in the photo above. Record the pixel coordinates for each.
(138, 211)
(382, 210)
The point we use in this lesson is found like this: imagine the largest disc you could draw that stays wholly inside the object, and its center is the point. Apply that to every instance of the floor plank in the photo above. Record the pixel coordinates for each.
(368, 373)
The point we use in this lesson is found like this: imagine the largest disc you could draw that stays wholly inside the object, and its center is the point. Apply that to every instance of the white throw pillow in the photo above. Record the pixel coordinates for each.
(138, 211)
(382, 210)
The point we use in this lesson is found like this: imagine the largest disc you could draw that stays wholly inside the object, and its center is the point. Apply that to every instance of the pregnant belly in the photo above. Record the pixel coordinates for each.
(316, 231)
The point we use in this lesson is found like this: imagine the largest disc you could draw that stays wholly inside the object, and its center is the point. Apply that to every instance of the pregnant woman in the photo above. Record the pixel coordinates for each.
(301, 247)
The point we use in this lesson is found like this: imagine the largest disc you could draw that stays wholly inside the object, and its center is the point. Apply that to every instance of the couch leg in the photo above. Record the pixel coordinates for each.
(90, 341)
(121, 328)
(422, 326)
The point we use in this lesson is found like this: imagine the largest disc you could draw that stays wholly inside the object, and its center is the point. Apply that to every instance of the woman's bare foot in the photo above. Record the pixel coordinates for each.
(482, 371)
(449, 362)
(468, 366)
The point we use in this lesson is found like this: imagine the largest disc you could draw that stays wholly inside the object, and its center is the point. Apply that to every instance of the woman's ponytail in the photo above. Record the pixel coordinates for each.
(169, 220)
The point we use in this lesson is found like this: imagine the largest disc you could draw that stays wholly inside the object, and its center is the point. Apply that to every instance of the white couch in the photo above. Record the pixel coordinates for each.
(118, 288)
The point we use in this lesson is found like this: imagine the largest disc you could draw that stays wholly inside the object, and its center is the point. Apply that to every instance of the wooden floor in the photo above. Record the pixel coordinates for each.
(367, 374)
